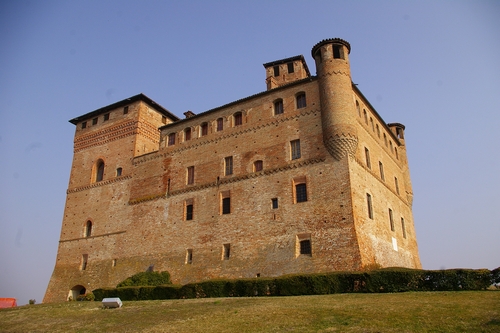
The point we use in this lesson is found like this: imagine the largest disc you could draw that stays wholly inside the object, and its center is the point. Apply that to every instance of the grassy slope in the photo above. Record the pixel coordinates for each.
(404, 312)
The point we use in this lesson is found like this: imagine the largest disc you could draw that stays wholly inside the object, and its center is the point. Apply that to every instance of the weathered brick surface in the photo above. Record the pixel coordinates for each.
(139, 217)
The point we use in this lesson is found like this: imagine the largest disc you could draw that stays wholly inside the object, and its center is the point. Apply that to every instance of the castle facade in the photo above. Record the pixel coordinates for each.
(303, 177)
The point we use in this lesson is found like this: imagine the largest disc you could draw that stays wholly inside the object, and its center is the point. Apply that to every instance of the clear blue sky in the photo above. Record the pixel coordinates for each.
(431, 65)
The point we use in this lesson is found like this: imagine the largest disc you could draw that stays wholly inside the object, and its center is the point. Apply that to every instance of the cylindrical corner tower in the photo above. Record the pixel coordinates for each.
(337, 104)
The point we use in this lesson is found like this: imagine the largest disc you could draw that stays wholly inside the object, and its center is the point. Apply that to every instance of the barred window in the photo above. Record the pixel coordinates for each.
(189, 212)
(305, 247)
(300, 192)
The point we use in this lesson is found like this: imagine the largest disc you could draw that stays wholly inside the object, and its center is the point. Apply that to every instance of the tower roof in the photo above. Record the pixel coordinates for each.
(124, 102)
(330, 41)
(286, 60)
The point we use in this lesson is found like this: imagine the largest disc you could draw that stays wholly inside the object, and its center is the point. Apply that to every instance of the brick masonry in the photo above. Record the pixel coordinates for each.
(137, 206)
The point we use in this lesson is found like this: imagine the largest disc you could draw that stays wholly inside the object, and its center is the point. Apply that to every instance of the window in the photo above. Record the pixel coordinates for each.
(391, 219)
(226, 251)
(385, 140)
(190, 175)
(381, 168)
(257, 166)
(99, 171)
(295, 149)
(171, 139)
(204, 129)
(274, 202)
(118, 172)
(338, 52)
(163, 119)
(189, 256)
(276, 70)
(378, 131)
(187, 134)
(94, 121)
(300, 189)
(278, 107)
(396, 184)
(106, 117)
(365, 116)
(301, 100)
(189, 210)
(85, 258)
(371, 123)
(238, 119)
(220, 124)
(225, 207)
(290, 67)
(305, 247)
(228, 166)
(113, 263)
(125, 110)
(88, 229)
(358, 109)
(396, 152)
(369, 203)
(390, 144)
(367, 157)
(403, 227)
(84, 125)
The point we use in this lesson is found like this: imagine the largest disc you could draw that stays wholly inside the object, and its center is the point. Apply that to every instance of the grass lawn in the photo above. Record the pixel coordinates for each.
(467, 311)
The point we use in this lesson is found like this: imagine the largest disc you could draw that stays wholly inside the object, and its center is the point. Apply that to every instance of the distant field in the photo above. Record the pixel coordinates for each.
(467, 311)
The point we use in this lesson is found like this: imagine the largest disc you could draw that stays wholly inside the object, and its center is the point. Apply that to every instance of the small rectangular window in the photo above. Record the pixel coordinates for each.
(125, 110)
(163, 119)
(278, 107)
(403, 227)
(381, 167)
(370, 207)
(258, 166)
(396, 184)
(204, 129)
(367, 157)
(238, 119)
(290, 67)
(190, 175)
(305, 247)
(391, 219)
(171, 139)
(189, 212)
(295, 149)
(119, 172)
(226, 251)
(300, 192)
(113, 263)
(228, 166)
(106, 117)
(226, 205)
(187, 134)
(85, 258)
(301, 101)
(220, 124)
(84, 125)
(189, 256)
(338, 52)
(274, 202)
(276, 70)
(94, 121)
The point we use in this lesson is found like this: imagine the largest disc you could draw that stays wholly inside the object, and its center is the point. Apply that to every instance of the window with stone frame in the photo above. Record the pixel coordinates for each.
(220, 124)
(187, 134)
(238, 119)
(295, 149)
(204, 129)
(225, 202)
(228, 166)
(300, 189)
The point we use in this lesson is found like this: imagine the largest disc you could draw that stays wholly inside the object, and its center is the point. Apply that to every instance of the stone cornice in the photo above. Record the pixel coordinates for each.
(97, 184)
(92, 237)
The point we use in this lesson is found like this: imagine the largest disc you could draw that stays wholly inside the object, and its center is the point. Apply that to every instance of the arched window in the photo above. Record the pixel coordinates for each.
(358, 109)
(99, 170)
(204, 129)
(220, 124)
(238, 119)
(88, 229)
(301, 100)
(187, 134)
(278, 107)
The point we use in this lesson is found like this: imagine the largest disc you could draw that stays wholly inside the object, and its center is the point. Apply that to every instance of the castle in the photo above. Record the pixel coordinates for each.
(303, 177)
